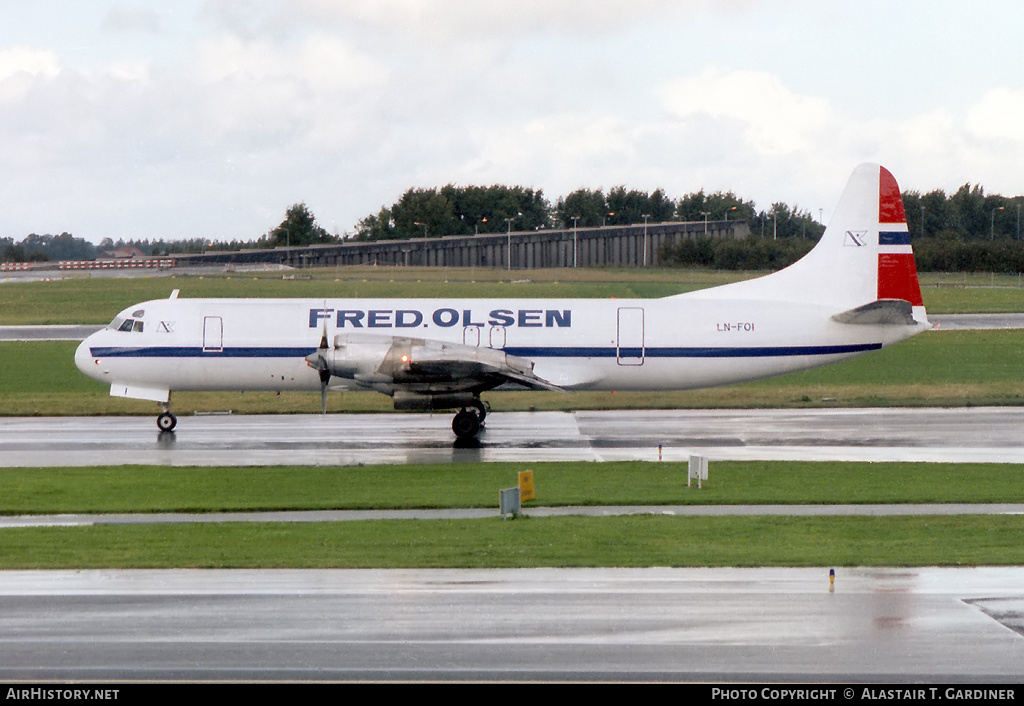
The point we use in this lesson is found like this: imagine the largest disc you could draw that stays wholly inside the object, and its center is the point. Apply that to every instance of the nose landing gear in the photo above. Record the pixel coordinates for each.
(166, 421)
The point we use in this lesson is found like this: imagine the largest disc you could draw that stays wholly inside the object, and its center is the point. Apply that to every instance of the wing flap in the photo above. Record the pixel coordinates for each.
(461, 363)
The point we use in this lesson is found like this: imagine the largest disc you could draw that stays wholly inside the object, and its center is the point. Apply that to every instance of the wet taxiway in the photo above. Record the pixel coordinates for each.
(974, 434)
(753, 625)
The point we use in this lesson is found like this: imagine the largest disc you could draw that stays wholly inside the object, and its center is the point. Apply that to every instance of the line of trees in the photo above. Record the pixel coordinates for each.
(53, 248)
(298, 228)
(965, 231)
(753, 253)
(456, 210)
(969, 214)
(41, 248)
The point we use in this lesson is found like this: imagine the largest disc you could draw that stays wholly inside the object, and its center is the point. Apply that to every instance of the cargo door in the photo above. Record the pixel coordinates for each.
(630, 343)
(497, 337)
(213, 334)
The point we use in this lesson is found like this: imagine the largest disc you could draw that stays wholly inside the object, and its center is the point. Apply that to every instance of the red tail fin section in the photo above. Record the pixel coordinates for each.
(890, 203)
(897, 271)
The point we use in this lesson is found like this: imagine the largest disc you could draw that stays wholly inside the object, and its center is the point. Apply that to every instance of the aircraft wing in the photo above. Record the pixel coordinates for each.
(472, 365)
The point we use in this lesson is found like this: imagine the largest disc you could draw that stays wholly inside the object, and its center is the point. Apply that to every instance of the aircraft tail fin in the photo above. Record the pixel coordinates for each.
(864, 255)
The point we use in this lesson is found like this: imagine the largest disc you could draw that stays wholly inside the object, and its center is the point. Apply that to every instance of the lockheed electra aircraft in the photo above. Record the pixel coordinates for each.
(856, 291)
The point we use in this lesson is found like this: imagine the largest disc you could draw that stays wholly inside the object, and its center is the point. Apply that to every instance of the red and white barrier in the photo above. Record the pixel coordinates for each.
(150, 263)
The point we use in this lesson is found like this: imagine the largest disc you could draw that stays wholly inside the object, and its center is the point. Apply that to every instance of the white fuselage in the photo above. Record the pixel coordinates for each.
(674, 343)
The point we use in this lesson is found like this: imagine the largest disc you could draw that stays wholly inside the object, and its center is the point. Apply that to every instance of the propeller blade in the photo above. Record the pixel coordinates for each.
(321, 366)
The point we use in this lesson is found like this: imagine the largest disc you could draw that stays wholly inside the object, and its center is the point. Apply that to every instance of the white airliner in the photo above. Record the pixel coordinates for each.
(856, 291)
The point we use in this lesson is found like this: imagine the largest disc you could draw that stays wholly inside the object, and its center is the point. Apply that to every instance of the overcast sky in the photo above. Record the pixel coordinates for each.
(209, 118)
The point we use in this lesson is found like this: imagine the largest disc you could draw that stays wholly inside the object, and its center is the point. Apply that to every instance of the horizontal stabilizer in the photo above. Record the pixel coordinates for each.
(894, 312)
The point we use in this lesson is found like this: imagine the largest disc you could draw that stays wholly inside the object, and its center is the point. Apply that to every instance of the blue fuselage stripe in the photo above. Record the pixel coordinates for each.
(197, 352)
(524, 351)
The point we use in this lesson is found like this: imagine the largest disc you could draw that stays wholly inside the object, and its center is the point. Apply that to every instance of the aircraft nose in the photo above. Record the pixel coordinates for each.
(84, 360)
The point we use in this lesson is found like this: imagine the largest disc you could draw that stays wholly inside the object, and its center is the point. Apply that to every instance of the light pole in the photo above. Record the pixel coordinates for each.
(727, 212)
(922, 220)
(424, 241)
(646, 216)
(705, 214)
(509, 222)
(575, 220)
(992, 233)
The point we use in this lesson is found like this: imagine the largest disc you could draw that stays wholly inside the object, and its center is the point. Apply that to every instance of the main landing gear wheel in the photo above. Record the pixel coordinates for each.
(466, 424)
(482, 408)
(166, 421)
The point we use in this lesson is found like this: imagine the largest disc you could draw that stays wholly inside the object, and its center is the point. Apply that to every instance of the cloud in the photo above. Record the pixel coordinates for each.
(771, 119)
(445, 21)
(121, 19)
(998, 117)
(24, 60)
(211, 119)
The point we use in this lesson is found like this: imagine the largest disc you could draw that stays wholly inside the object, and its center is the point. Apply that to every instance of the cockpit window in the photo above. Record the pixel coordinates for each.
(139, 313)
(120, 324)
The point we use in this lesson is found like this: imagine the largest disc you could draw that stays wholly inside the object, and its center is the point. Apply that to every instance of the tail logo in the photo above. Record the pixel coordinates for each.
(856, 238)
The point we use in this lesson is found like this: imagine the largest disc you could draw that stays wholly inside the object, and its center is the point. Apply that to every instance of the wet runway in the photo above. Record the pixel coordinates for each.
(973, 434)
(753, 625)
(709, 625)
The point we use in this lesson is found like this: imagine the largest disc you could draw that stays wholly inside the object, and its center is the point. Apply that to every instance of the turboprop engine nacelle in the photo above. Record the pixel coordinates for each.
(364, 359)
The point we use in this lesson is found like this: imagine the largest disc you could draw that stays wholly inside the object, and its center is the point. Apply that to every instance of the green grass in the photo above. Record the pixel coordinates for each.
(626, 541)
(80, 299)
(635, 541)
(103, 489)
(629, 541)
